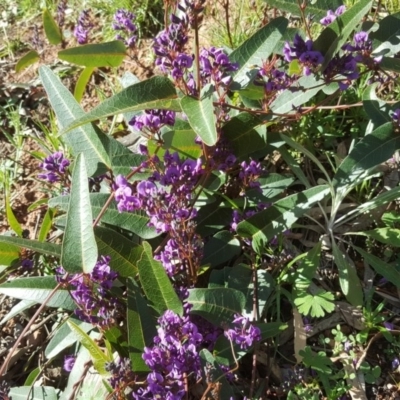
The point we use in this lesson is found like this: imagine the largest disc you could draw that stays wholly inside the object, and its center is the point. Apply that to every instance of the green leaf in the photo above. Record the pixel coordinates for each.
(51, 29)
(263, 226)
(8, 253)
(79, 249)
(348, 279)
(216, 304)
(386, 40)
(157, 92)
(376, 109)
(141, 327)
(83, 139)
(28, 59)
(99, 358)
(201, 117)
(32, 377)
(256, 49)
(386, 235)
(11, 219)
(93, 387)
(83, 80)
(156, 284)
(46, 224)
(38, 288)
(65, 337)
(110, 54)
(373, 149)
(17, 309)
(316, 8)
(319, 362)
(123, 252)
(274, 184)
(390, 64)
(135, 222)
(336, 34)
(243, 134)
(33, 393)
(307, 87)
(212, 217)
(381, 267)
(221, 248)
(309, 264)
(316, 304)
(50, 249)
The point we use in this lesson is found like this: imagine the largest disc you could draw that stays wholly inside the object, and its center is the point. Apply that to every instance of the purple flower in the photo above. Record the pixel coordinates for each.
(388, 325)
(331, 16)
(27, 264)
(244, 333)
(121, 373)
(61, 8)
(83, 27)
(395, 363)
(153, 120)
(55, 165)
(69, 362)
(396, 116)
(124, 24)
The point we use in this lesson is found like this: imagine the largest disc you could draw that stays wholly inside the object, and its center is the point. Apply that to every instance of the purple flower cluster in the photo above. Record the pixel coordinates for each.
(331, 16)
(56, 166)
(27, 264)
(303, 51)
(124, 24)
(173, 359)
(121, 373)
(91, 292)
(244, 333)
(83, 27)
(61, 8)
(249, 174)
(272, 79)
(153, 120)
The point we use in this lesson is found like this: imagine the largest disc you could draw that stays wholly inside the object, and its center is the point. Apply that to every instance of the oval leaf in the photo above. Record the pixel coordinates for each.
(79, 249)
(220, 248)
(51, 29)
(82, 82)
(28, 59)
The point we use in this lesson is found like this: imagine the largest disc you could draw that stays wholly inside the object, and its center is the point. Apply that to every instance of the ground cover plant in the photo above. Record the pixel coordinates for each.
(245, 244)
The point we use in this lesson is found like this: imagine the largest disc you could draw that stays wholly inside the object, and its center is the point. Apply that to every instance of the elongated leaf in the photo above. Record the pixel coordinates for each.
(8, 253)
(17, 309)
(245, 134)
(33, 376)
(348, 279)
(28, 59)
(156, 284)
(317, 8)
(376, 109)
(51, 249)
(381, 267)
(83, 139)
(220, 248)
(141, 327)
(51, 29)
(390, 64)
(38, 288)
(288, 100)
(93, 387)
(336, 34)
(390, 236)
(212, 217)
(11, 219)
(110, 54)
(157, 92)
(216, 304)
(82, 82)
(123, 252)
(201, 117)
(79, 249)
(135, 222)
(33, 393)
(386, 40)
(309, 264)
(373, 149)
(65, 337)
(264, 225)
(46, 224)
(256, 49)
(99, 358)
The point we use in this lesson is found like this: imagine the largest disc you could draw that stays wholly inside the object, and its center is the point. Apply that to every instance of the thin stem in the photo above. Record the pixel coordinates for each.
(228, 28)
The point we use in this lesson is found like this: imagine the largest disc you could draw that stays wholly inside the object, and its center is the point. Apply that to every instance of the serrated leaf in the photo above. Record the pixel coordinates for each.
(310, 263)
(141, 327)
(33, 393)
(135, 222)
(201, 117)
(316, 304)
(245, 134)
(38, 288)
(83, 139)
(65, 337)
(256, 49)
(156, 284)
(123, 252)
(157, 92)
(220, 248)
(263, 226)
(28, 59)
(51, 249)
(79, 249)
(348, 279)
(319, 362)
(216, 304)
(81, 83)
(99, 358)
(110, 54)
(381, 267)
(335, 35)
(51, 29)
